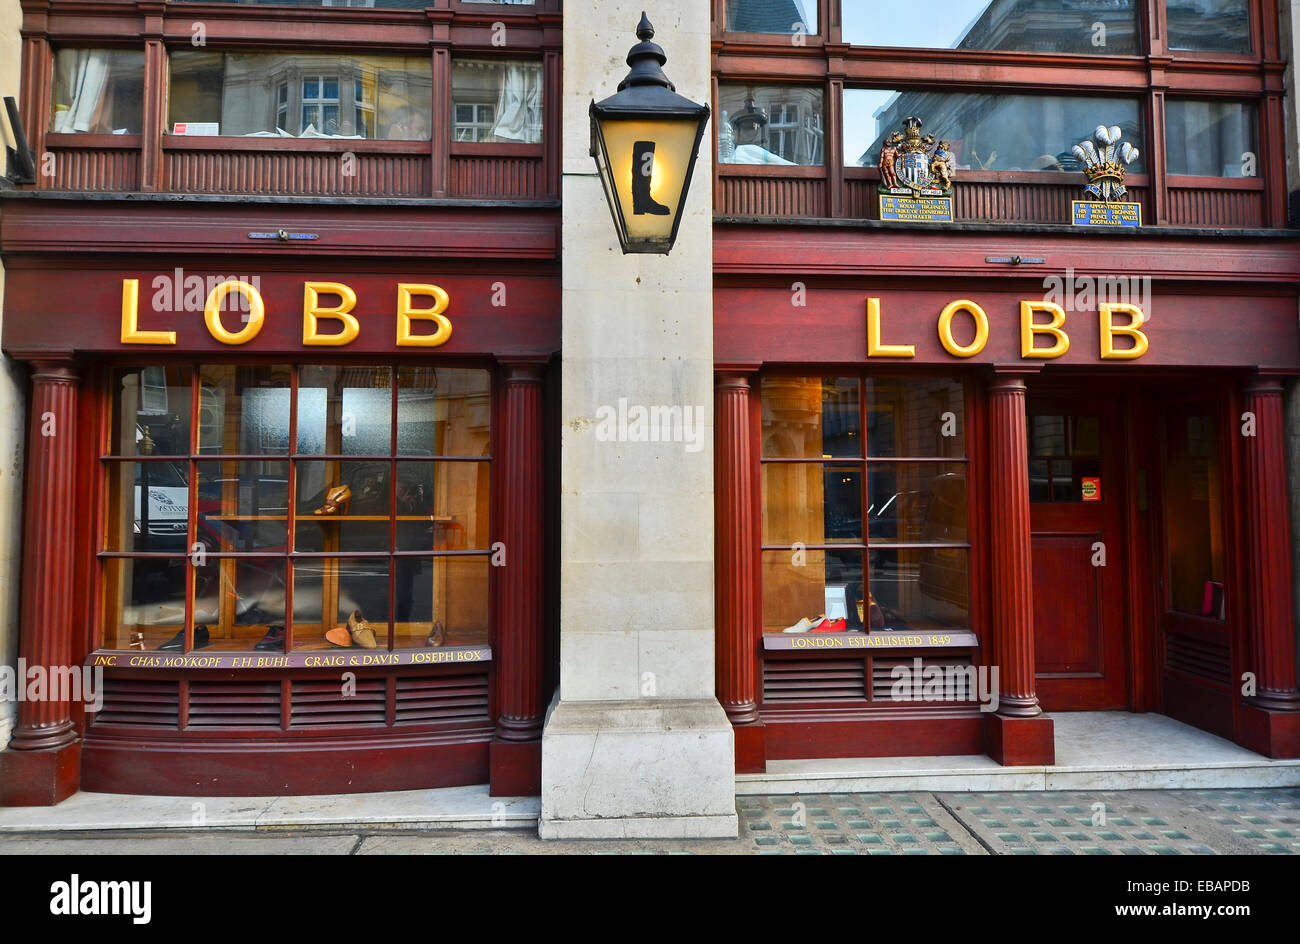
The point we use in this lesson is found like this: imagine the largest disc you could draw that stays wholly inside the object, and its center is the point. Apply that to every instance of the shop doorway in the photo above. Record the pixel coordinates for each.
(1076, 525)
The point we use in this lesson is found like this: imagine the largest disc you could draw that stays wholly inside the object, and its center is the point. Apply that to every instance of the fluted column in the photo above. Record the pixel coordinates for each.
(49, 496)
(1012, 564)
(520, 622)
(1268, 550)
(735, 549)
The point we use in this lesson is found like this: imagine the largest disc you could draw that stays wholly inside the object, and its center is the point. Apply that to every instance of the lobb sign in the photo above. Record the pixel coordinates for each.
(417, 303)
(1042, 331)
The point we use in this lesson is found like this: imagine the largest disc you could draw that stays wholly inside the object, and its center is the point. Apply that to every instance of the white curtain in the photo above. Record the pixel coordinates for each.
(86, 82)
(519, 104)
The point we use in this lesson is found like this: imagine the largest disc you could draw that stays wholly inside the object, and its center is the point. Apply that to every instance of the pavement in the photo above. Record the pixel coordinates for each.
(1260, 821)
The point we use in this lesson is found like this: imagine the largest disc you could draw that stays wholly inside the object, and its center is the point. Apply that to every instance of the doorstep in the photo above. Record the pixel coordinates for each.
(1095, 750)
(445, 808)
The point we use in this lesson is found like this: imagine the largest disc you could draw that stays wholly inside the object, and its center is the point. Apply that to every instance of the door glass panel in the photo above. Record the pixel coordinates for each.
(1193, 513)
(1063, 452)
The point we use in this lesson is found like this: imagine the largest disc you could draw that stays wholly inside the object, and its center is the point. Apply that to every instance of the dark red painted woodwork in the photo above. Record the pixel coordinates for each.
(39, 778)
(1270, 619)
(386, 761)
(790, 734)
(1019, 742)
(735, 537)
(1079, 607)
(758, 323)
(520, 620)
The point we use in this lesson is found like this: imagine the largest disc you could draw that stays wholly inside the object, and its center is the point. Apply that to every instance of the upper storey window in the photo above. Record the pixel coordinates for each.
(99, 91)
(785, 17)
(1209, 25)
(1084, 27)
(496, 101)
(300, 95)
(775, 124)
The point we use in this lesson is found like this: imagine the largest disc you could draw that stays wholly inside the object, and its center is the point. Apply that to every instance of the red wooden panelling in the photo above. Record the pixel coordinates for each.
(1200, 207)
(93, 169)
(287, 172)
(771, 196)
(505, 178)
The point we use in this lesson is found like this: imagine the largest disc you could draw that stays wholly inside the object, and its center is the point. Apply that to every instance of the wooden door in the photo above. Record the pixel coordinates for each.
(1075, 496)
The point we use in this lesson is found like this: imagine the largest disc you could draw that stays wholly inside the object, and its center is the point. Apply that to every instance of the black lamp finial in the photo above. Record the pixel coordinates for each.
(644, 31)
(646, 59)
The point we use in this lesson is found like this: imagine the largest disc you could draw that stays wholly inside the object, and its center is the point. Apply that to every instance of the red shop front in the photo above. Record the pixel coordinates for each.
(967, 479)
(285, 486)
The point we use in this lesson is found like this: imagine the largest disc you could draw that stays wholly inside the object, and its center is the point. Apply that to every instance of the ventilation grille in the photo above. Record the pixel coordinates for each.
(883, 679)
(443, 698)
(789, 680)
(323, 703)
(154, 704)
(234, 704)
(1201, 659)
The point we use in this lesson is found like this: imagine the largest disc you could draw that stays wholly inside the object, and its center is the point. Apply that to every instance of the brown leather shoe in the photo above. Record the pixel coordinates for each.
(437, 636)
(361, 632)
(340, 496)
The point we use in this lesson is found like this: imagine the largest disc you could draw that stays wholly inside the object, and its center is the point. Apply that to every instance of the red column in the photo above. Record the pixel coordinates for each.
(1272, 721)
(516, 759)
(41, 766)
(734, 568)
(1018, 733)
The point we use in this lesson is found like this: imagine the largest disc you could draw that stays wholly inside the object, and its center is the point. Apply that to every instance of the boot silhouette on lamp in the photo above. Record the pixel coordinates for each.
(643, 165)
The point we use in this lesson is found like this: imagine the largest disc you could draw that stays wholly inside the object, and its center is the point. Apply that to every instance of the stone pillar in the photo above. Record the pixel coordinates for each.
(1017, 733)
(41, 766)
(516, 753)
(1271, 721)
(736, 547)
(635, 744)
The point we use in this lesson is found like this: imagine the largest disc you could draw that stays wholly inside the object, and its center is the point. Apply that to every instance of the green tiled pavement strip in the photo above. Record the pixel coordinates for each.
(1134, 822)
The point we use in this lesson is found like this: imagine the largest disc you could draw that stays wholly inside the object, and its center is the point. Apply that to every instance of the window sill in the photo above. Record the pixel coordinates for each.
(333, 659)
(174, 142)
(63, 139)
(856, 641)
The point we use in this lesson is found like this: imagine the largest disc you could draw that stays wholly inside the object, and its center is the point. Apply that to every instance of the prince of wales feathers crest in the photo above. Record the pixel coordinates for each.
(1104, 172)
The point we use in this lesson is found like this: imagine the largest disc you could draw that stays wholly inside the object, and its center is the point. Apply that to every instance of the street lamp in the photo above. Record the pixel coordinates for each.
(645, 139)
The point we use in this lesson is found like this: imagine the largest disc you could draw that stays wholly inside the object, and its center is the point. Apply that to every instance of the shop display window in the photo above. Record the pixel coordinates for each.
(1208, 25)
(1211, 139)
(783, 17)
(274, 507)
(864, 514)
(992, 132)
(97, 91)
(771, 124)
(299, 95)
(496, 101)
(1076, 27)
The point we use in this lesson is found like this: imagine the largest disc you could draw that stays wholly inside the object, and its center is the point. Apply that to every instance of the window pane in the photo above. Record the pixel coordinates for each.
(770, 125)
(237, 601)
(243, 506)
(443, 412)
(1193, 489)
(916, 502)
(820, 583)
(811, 503)
(772, 16)
(1100, 27)
(987, 131)
(345, 411)
(920, 418)
(1210, 139)
(441, 601)
(341, 589)
(157, 525)
(1209, 25)
(238, 93)
(100, 91)
(151, 412)
(387, 4)
(343, 506)
(921, 588)
(497, 100)
(144, 601)
(243, 410)
(811, 417)
(442, 506)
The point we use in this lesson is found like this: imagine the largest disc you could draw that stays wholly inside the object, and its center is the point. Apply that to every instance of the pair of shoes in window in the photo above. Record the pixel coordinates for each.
(819, 624)
(356, 633)
(273, 640)
(177, 643)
